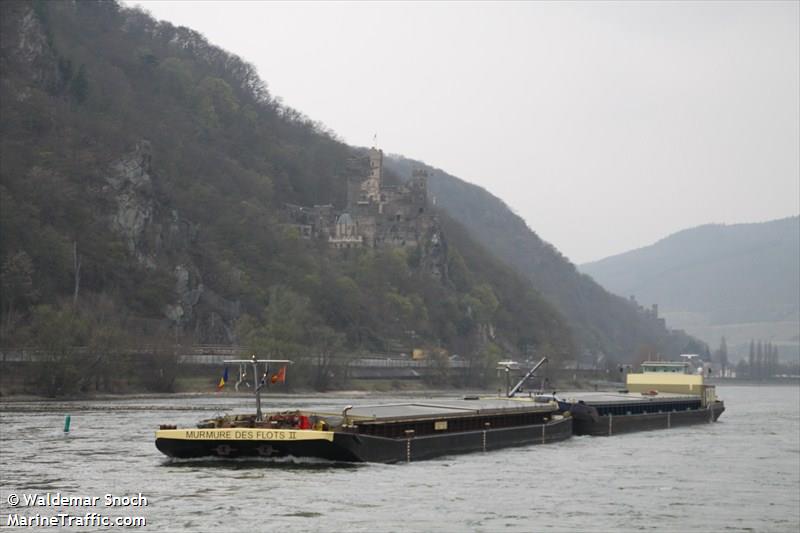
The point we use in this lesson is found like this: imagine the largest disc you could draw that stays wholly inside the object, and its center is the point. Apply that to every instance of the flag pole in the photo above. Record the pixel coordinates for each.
(256, 386)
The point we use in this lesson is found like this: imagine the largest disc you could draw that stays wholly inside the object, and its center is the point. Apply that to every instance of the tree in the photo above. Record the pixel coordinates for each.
(327, 345)
(772, 359)
(58, 332)
(759, 359)
(108, 339)
(777, 360)
(18, 291)
(284, 331)
(742, 369)
(79, 86)
(723, 355)
(76, 268)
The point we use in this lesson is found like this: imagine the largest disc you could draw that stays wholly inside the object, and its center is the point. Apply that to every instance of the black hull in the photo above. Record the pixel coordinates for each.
(586, 424)
(365, 448)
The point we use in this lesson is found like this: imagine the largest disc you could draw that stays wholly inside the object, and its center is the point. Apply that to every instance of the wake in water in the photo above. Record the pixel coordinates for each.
(287, 462)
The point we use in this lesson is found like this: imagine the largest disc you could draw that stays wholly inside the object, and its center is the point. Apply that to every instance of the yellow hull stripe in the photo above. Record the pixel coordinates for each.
(259, 434)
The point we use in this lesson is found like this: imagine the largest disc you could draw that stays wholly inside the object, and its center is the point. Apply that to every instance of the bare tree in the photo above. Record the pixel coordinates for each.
(76, 267)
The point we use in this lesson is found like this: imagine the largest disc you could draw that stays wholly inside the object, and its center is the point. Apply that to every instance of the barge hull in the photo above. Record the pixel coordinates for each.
(608, 425)
(352, 447)
(193, 449)
(385, 450)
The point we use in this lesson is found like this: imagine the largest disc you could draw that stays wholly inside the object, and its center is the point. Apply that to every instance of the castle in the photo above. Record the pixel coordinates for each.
(377, 215)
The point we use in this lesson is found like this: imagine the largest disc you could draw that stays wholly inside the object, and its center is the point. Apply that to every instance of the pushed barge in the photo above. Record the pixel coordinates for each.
(662, 396)
(387, 433)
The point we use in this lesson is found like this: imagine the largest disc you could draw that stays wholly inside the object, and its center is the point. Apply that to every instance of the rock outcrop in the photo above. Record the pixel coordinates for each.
(159, 239)
(131, 186)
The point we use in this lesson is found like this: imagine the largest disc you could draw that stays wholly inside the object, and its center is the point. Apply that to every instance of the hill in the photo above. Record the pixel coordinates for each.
(740, 280)
(601, 322)
(147, 179)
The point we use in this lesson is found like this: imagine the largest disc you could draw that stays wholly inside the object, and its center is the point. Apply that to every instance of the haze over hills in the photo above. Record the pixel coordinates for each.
(147, 178)
(600, 321)
(741, 281)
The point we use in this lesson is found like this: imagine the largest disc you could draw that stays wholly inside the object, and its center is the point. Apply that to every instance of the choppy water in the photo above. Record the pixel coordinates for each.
(740, 474)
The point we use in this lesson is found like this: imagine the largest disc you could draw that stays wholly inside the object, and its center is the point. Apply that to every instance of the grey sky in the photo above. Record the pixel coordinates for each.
(606, 126)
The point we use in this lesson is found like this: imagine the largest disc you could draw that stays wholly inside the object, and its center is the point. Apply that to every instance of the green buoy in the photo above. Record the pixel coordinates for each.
(66, 423)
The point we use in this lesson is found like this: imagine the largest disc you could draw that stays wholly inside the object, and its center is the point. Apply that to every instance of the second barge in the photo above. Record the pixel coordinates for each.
(664, 395)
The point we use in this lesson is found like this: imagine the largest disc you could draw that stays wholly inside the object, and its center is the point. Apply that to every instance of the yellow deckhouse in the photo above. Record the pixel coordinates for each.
(670, 376)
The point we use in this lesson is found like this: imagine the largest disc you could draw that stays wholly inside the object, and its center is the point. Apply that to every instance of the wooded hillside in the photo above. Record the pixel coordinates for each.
(144, 176)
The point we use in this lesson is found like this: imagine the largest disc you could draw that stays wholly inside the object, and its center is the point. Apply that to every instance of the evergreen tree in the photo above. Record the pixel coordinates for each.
(759, 373)
(767, 359)
(723, 355)
(773, 360)
(79, 86)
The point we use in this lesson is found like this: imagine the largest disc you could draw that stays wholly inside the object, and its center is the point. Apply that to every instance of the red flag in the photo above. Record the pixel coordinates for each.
(280, 377)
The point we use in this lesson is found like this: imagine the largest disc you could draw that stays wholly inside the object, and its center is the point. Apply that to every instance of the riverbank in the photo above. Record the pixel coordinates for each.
(202, 387)
(20, 386)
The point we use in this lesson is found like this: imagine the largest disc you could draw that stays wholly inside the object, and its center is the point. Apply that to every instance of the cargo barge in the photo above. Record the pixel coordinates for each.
(664, 395)
(386, 433)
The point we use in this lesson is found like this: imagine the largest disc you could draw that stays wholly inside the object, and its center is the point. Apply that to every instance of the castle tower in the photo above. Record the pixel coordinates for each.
(371, 187)
(419, 187)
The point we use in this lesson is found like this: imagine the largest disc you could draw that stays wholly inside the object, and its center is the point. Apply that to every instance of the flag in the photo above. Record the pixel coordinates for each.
(223, 380)
(280, 377)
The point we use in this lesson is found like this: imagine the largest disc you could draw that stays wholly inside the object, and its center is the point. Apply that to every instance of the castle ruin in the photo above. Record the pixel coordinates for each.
(377, 215)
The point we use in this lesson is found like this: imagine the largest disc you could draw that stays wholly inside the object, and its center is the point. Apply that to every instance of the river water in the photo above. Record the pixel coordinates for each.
(739, 474)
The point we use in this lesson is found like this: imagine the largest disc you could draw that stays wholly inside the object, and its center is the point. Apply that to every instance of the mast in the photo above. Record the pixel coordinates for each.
(530, 373)
(256, 385)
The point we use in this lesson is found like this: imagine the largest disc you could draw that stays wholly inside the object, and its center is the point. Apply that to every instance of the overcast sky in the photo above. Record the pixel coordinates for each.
(606, 126)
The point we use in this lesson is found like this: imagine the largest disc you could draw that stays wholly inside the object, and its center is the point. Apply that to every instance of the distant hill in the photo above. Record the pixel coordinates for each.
(741, 281)
(601, 322)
